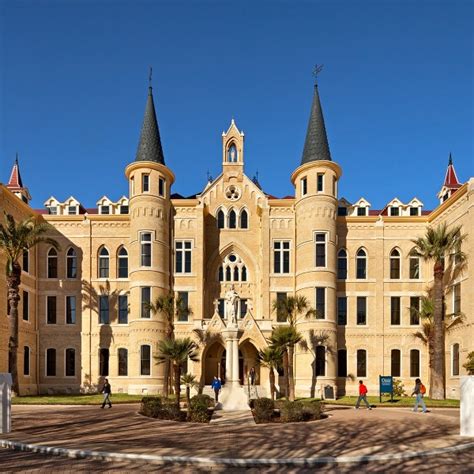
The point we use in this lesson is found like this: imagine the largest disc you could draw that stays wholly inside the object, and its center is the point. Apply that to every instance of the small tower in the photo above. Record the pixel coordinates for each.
(316, 204)
(15, 183)
(233, 152)
(451, 183)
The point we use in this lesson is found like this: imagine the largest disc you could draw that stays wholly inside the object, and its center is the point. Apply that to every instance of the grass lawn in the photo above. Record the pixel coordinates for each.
(397, 402)
(75, 399)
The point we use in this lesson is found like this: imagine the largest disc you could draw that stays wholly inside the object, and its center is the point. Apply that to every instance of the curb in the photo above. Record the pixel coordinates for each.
(235, 462)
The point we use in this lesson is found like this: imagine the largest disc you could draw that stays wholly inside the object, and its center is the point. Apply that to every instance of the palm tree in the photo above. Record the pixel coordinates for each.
(190, 382)
(288, 309)
(176, 352)
(14, 240)
(271, 357)
(285, 338)
(171, 307)
(438, 245)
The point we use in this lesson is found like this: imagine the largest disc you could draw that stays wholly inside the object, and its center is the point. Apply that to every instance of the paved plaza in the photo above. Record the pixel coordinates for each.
(346, 432)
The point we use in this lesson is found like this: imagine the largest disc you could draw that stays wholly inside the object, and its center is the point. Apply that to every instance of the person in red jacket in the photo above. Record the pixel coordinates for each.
(362, 395)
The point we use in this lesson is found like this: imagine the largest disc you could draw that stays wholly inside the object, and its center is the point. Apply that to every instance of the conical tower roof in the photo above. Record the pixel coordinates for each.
(316, 146)
(149, 147)
(15, 181)
(451, 180)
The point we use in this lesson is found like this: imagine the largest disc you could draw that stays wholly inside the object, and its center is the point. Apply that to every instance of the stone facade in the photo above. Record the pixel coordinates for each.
(233, 234)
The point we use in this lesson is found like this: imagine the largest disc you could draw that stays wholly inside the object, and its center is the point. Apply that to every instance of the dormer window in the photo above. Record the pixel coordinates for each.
(232, 154)
(361, 211)
(124, 209)
(445, 197)
(414, 211)
(342, 211)
(394, 211)
(72, 210)
(105, 209)
(53, 210)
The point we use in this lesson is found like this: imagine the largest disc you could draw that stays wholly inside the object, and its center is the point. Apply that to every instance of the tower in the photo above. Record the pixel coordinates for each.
(150, 183)
(15, 183)
(315, 182)
(451, 183)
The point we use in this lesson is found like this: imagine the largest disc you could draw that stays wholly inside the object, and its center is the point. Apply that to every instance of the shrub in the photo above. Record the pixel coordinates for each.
(202, 399)
(199, 409)
(151, 406)
(292, 411)
(163, 409)
(398, 388)
(263, 409)
(311, 410)
(469, 365)
(170, 411)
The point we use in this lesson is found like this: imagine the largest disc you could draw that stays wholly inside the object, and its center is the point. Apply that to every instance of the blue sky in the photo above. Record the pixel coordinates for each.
(396, 90)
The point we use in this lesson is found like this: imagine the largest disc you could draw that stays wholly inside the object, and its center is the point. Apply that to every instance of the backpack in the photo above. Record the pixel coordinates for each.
(422, 389)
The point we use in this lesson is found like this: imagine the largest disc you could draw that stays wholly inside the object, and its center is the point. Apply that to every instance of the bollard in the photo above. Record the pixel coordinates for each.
(5, 403)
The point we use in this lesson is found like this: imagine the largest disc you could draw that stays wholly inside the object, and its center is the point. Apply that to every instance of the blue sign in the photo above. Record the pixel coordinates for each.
(386, 385)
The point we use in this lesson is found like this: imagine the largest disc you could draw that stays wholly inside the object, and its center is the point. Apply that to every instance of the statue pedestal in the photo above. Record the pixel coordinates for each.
(5, 403)
(233, 397)
(467, 405)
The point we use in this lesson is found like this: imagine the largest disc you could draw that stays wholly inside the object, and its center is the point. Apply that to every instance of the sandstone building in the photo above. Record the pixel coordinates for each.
(83, 313)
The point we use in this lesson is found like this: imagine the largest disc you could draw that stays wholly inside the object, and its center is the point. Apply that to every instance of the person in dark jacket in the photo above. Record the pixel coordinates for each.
(419, 396)
(106, 390)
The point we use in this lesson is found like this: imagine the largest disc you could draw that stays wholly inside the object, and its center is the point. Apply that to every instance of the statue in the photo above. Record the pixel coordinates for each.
(231, 304)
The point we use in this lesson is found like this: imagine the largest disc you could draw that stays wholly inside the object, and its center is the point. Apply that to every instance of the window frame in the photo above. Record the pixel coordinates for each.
(146, 249)
(184, 248)
(415, 363)
(398, 362)
(412, 267)
(342, 258)
(26, 350)
(361, 298)
(455, 362)
(120, 258)
(282, 257)
(362, 258)
(320, 306)
(395, 266)
(339, 371)
(104, 362)
(52, 256)
(120, 362)
(145, 182)
(119, 308)
(145, 312)
(103, 262)
(66, 351)
(25, 261)
(142, 360)
(414, 313)
(304, 186)
(161, 186)
(395, 311)
(68, 308)
(344, 298)
(71, 264)
(320, 243)
(319, 182)
(25, 301)
(104, 310)
(47, 362)
(359, 364)
(48, 299)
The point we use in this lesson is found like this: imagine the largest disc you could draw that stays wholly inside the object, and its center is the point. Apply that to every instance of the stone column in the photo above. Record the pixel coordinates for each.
(5, 403)
(235, 361)
(228, 358)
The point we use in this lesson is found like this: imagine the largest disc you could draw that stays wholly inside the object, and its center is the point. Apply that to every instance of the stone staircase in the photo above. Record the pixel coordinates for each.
(250, 391)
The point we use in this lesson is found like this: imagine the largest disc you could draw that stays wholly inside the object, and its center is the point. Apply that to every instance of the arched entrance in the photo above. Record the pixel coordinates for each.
(248, 358)
(214, 363)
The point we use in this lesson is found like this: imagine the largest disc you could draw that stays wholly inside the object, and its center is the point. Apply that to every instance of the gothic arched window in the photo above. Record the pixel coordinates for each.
(122, 269)
(232, 269)
(361, 264)
(232, 219)
(244, 219)
(71, 263)
(103, 263)
(395, 264)
(220, 219)
(52, 263)
(342, 265)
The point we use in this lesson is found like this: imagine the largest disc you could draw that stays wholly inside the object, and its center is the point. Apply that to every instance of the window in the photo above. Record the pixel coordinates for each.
(414, 211)
(105, 209)
(53, 210)
(361, 265)
(132, 186)
(320, 302)
(221, 273)
(72, 210)
(70, 362)
(455, 360)
(395, 264)
(414, 310)
(124, 209)
(50, 362)
(361, 363)
(123, 309)
(221, 307)
(183, 256)
(145, 249)
(281, 313)
(394, 211)
(319, 182)
(304, 186)
(342, 310)
(26, 304)
(334, 186)
(243, 273)
(122, 263)
(220, 219)
(232, 219)
(145, 358)
(122, 362)
(233, 269)
(104, 362)
(52, 263)
(457, 298)
(26, 261)
(361, 310)
(342, 265)
(183, 305)
(145, 299)
(342, 363)
(71, 264)
(243, 307)
(342, 211)
(361, 211)
(51, 309)
(104, 315)
(161, 187)
(244, 219)
(145, 183)
(395, 358)
(414, 363)
(70, 310)
(103, 263)
(320, 239)
(414, 268)
(26, 360)
(395, 319)
(281, 256)
(320, 363)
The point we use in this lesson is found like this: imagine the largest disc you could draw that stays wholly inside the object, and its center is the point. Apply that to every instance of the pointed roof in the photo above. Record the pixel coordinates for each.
(451, 180)
(149, 147)
(15, 181)
(316, 146)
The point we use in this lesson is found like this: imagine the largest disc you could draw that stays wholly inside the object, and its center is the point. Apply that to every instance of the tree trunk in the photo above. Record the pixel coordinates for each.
(166, 377)
(188, 401)
(285, 370)
(13, 283)
(272, 383)
(177, 383)
(438, 376)
(291, 381)
(431, 357)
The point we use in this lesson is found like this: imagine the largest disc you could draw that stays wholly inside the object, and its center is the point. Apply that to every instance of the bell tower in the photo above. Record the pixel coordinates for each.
(233, 152)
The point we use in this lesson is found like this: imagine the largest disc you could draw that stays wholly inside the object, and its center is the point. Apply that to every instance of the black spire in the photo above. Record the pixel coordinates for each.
(149, 147)
(316, 146)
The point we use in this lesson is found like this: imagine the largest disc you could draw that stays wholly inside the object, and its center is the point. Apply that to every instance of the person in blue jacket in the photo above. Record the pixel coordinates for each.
(216, 386)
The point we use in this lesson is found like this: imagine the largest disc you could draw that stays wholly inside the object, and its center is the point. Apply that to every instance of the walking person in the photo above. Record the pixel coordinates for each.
(419, 391)
(362, 396)
(252, 375)
(106, 390)
(216, 386)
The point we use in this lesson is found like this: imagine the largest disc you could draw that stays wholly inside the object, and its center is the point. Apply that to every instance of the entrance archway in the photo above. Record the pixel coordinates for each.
(248, 358)
(214, 363)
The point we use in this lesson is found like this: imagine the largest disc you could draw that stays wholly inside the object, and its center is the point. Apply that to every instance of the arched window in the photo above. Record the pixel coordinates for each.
(342, 265)
(232, 154)
(232, 219)
(70, 363)
(221, 273)
(52, 263)
(395, 357)
(71, 263)
(320, 361)
(145, 360)
(455, 360)
(414, 267)
(361, 264)
(236, 274)
(395, 264)
(220, 219)
(228, 274)
(244, 273)
(122, 269)
(414, 363)
(103, 263)
(122, 362)
(361, 363)
(233, 268)
(244, 220)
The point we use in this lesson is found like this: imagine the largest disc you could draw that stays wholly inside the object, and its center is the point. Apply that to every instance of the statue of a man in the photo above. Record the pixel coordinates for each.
(231, 303)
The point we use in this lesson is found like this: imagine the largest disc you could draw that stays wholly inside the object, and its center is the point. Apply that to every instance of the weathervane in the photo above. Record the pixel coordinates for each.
(316, 70)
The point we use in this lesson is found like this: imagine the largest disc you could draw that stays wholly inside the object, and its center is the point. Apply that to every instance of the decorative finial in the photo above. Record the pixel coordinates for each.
(450, 159)
(150, 76)
(210, 179)
(16, 159)
(316, 71)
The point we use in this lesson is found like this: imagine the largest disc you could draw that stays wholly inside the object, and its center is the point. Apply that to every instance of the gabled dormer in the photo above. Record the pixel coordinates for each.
(395, 207)
(53, 206)
(105, 206)
(414, 207)
(122, 205)
(71, 206)
(361, 207)
(344, 207)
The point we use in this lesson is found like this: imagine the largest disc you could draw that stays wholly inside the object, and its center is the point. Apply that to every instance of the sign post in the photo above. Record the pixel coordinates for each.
(385, 386)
